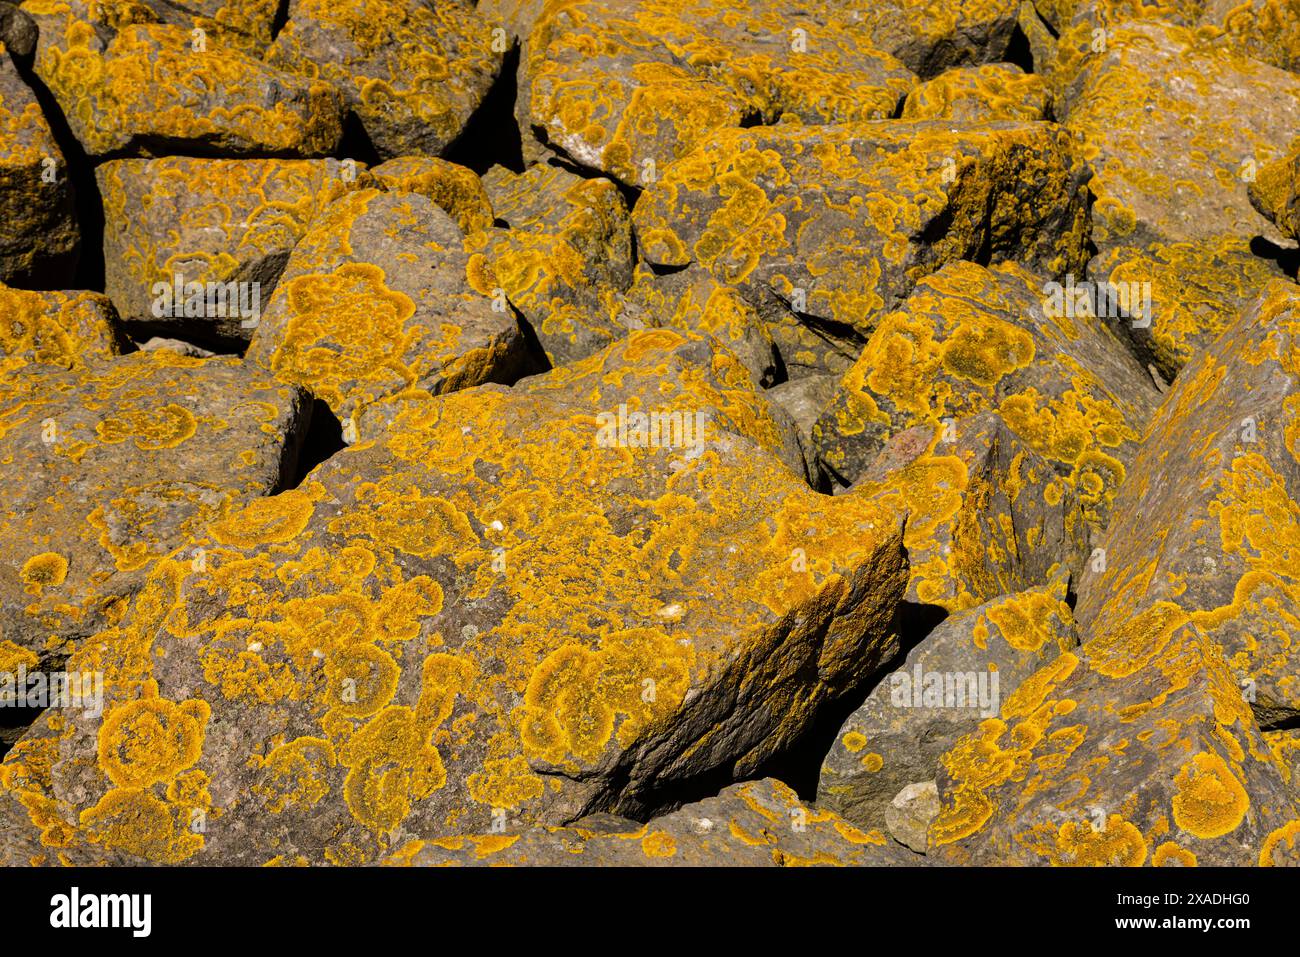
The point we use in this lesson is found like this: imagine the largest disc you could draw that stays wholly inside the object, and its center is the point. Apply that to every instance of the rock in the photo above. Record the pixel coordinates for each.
(378, 300)
(565, 257)
(971, 339)
(39, 237)
(626, 87)
(909, 815)
(113, 464)
(692, 301)
(413, 73)
(1174, 131)
(1208, 522)
(804, 400)
(931, 39)
(1267, 30)
(128, 85)
(1137, 749)
(18, 31)
(1195, 289)
(501, 604)
(245, 25)
(997, 91)
(59, 329)
(175, 345)
(456, 190)
(845, 239)
(194, 247)
(1275, 192)
(755, 824)
(986, 516)
(955, 677)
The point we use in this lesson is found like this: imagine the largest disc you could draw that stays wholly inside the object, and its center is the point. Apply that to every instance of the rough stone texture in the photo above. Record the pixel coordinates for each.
(1137, 749)
(997, 91)
(135, 454)
(39, 237)
(970, 339)
(1275, 191)
(1197, 290)
(1208, 523)
(1267, 30)
(489, 609)
(456, 190)
(412, 72)
(208, 221)
(986, 515)
(130, 85)
(563, 258)
(692, 301)
(379, 300)
(931, 38)
(908, 816)
(940, 692)
(61, 329)
(756, 824)
(842, 221)
(1174, 131)
(627, 86)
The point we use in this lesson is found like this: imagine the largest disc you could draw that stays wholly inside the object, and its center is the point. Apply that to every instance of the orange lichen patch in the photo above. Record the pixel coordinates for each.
(148, 741)
(1116, 844)
(391, 764)
(47, 570)
(264, 520)
(1282, 845)
(1170, 854)
(150, 429)
(137, 822)
(658, 844)
(295, 775)
(1210, 801)
(854, 741)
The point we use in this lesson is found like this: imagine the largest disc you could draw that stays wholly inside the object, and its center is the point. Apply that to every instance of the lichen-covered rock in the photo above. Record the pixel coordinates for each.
(1136, 749)
(1195, 290)
(1267, 30)
(971, 339)
(563, 257)
(957, 676)
(755, 824)
(412, 72)
(1275, 191)
(931, 38)
(977, 94)
(512, 602)
(455, 189)
(243, 24)
(112, 465)
(627, 86)
(130, 85)
(194, 247)
(692, 301)
(1208, 519)
(986, 516)
(18, 32)
(39, 237)
(62, 329)
(840, 222)
(1175, 131)
(380, 300)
